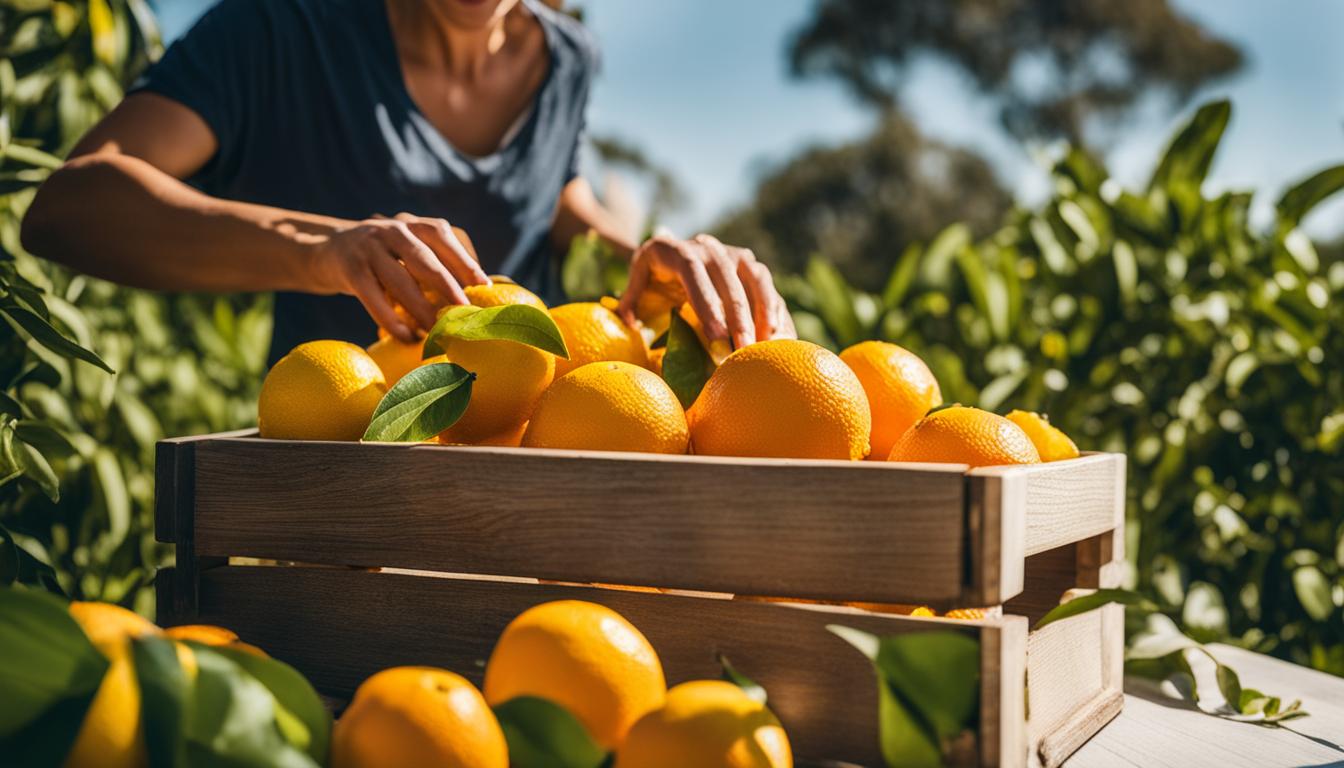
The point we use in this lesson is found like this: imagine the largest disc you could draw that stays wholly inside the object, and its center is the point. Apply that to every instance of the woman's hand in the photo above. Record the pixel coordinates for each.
(408, 260)
(731, 292)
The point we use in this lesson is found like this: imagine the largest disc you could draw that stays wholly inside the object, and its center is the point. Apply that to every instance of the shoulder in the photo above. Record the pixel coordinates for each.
(570, 39)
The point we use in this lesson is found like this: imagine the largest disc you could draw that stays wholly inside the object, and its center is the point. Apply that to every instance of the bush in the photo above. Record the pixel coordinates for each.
(77, 441)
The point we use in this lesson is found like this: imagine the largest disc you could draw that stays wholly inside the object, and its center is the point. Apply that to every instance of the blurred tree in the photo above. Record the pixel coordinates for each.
(860, 203)
(1050, 64)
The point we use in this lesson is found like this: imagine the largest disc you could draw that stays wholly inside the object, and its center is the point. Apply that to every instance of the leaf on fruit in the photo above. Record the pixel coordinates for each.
(300, 713)
(542, 734)
(752, 688)
(425, 402)
(686, 364)
(510, 322)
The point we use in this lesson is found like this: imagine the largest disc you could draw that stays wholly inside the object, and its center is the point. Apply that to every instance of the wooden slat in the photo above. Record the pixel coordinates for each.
(859, 531)
(1003, 673)
(1065, 676)
(996, 523)
(1066, 501)
(340, 626)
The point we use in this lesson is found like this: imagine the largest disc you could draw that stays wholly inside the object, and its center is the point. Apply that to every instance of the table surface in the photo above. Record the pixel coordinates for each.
(1154, 731)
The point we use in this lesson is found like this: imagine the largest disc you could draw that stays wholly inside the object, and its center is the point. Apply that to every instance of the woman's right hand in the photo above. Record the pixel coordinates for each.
(411, 261)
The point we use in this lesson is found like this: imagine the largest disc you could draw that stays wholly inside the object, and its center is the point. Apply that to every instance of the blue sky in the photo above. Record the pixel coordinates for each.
(703, 87)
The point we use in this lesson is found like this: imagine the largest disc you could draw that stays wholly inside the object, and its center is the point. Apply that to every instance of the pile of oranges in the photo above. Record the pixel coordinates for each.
(580, 656)
(779, 398)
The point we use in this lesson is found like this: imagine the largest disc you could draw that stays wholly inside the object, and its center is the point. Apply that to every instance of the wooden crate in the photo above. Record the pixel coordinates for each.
(421, 554)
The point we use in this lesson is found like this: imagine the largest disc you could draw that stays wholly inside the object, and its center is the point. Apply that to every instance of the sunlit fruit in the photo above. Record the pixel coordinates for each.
(782, 398)
(963, 435)
(707, 724)
(1050, 441)
(900, 389)
(111, 735)
(583, 656)
(321, 390)
(593, 334)
(609, 406)
(418, 717)
(510, 376)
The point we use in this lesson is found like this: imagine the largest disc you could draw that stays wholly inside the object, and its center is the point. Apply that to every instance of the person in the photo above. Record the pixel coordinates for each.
(326, 149)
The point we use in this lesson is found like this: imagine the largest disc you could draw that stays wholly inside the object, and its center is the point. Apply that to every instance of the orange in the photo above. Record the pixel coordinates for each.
(609, 406)
(962, 435)
(510, 438)
(783, 398)
(656, 360)
(510, 376)
(321, 390)
(111, 735)
(207, 634)
(593, 334)
(900, 389)
(1050, 441)
(583, 656)
(418, 717)
(707, 724)
(395, 358)
(965, 613)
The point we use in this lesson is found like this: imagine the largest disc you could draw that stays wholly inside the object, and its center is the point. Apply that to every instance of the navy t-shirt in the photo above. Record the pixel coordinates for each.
(307, 102)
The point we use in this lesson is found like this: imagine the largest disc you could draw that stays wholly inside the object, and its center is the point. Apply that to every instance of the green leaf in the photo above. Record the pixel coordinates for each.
(752, 688)
(1094, 600)
(904, 741)
(232, 719)
(1229, 684)
(31, 156)
(542, 734)
(112, 491)
(1313, 591)
(1159, 637)
(902, 275)
(1191, 151)
(294, 696)
(1307, 194)
(935, 266)
(686, 364)
(425, 402)
(9, 558)
(164, 693)
(43, 333)
(835, 301)
(511, 322)
(38, 469)
(49, 673)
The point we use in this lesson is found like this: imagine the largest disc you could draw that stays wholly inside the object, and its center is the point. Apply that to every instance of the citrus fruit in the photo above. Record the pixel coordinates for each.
(321, 390)
(656, 360)
(965, 613)
(583, 656)
(707, 724)
(395, 357)
(418, 717)
(593, 334)
(609, 406)
(1050, 441)
(111, 735)
(208, 634)
(783, 398)
(900, 389)
(510, 376)
(509, 438)
(963, 435)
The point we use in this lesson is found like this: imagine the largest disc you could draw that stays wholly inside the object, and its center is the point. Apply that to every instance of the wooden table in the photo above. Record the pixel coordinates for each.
(1153, 731)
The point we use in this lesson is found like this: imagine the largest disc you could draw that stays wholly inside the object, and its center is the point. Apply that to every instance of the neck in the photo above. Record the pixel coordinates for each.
(425, 35)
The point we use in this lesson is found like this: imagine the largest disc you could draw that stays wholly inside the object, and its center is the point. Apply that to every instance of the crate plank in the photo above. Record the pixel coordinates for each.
(339, 626)
(1065, 501)
(858, 531)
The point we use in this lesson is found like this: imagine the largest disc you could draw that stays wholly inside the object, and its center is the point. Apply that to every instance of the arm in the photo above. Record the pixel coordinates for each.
(731, 292)
(119, 210)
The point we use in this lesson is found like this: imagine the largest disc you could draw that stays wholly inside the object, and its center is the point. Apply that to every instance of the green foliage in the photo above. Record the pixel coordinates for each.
(76, 441)
(425, 402)
(543, 734)
(1160, 324)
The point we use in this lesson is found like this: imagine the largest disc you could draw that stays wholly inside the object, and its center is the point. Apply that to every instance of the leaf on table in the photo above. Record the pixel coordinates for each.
(510, 322)
(1092, 601)
(422, 404)
(542, 734)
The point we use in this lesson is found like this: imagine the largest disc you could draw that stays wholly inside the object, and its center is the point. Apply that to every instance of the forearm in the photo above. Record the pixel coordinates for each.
(579, 212)
(120, 218)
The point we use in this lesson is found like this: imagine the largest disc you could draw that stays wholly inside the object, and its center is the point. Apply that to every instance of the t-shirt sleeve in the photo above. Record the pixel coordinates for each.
(219, 69)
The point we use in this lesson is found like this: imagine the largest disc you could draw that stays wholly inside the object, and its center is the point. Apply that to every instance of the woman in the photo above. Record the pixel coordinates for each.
(322, 148)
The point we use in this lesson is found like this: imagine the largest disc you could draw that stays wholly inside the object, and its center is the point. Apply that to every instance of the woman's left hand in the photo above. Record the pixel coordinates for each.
(731, 292)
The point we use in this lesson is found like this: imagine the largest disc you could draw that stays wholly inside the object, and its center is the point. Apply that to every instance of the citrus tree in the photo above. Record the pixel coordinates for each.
(77, 429)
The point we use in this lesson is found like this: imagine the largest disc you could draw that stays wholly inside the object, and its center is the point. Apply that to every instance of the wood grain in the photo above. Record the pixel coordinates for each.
(859, 531)
(996, 519)
(1003, 674)
(1066, 501)
(1064, 676)
(340, 626)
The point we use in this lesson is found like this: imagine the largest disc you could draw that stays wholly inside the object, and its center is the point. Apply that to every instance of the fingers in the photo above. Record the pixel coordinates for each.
(450, 252)
(403, 288)
(370, 293)
(700, 290)
(755, 279)
(635, 285)
(721, 266)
